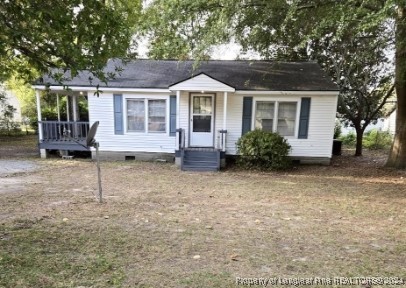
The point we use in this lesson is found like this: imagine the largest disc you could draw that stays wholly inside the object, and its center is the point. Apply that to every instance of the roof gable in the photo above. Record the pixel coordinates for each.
(201, 82)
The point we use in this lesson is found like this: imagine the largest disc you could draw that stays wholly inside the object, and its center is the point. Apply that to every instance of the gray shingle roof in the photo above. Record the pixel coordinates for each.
(242, 75)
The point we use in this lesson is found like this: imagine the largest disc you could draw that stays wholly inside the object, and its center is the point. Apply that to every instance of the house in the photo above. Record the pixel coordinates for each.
(12, 100)
(389, 123)
(158, 109)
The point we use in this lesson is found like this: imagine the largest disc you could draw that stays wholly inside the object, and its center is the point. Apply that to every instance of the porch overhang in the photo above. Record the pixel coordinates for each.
(201, 83)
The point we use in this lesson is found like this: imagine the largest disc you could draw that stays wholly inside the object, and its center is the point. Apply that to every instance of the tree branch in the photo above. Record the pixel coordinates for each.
(388, 94)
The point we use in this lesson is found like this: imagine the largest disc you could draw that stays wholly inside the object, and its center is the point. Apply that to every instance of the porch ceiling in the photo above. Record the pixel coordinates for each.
(62, 92)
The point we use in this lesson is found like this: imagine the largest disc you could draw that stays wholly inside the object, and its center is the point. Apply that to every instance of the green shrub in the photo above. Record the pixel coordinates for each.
(263, 150)
(337, 130)
(375, 139)
(350, 139)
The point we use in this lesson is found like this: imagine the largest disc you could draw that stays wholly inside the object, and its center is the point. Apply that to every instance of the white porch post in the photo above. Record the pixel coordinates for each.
(57, 106)
(67, 108)
(43, 152)
(177, 119)
(39, 114)
(224, 120)
(74, 108)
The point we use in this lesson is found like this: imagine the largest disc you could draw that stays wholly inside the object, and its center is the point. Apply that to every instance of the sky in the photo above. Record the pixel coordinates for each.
(228, 51)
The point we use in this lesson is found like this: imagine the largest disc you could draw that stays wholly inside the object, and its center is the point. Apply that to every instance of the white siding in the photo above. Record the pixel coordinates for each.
(202, 83)
(318, 144)
(321, 124)
(234, 121)
(101, 109)
(321, 129)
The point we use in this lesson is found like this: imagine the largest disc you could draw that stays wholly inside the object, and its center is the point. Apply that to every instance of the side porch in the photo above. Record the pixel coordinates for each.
(66, 129)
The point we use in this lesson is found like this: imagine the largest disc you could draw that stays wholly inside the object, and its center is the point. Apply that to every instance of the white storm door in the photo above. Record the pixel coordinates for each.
(201, 121)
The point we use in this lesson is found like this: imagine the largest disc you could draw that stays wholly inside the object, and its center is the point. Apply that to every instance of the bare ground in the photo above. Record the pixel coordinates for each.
(160, 227)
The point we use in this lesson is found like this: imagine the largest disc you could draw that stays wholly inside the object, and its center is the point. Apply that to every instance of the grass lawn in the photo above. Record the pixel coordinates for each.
(160, 227)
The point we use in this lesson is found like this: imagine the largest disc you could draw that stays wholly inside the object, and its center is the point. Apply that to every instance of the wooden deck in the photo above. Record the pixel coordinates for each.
(64, 135)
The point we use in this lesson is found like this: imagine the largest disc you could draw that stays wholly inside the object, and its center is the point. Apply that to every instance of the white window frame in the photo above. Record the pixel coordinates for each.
(145, 98)
(276, 101)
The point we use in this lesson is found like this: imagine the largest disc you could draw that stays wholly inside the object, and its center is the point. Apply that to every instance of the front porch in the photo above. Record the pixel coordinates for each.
(65, 129)
(201, 121)
(200, 158)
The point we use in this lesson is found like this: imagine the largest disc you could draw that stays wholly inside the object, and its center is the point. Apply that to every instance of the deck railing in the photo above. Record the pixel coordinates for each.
(64, 130)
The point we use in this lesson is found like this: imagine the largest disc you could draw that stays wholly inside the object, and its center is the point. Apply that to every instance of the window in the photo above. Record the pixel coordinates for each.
(276, 117)
(286, 118)
(136, 115)
(264, 116)
(152, 109)
(156, 115)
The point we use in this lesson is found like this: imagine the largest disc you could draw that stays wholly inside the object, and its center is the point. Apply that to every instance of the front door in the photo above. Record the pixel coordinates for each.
(202, 120)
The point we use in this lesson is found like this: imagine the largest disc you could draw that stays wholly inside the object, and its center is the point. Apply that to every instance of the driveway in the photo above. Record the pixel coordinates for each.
(8, 166)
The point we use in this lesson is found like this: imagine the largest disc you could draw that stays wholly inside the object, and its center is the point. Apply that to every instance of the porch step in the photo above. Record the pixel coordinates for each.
(194, 160)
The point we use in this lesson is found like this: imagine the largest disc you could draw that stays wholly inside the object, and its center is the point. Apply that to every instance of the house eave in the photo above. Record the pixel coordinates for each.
(296, 92)
(105, 89)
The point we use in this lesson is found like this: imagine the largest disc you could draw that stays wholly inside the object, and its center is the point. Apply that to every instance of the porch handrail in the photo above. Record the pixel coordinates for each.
(223, 140)
(180, 138)
(64, 130)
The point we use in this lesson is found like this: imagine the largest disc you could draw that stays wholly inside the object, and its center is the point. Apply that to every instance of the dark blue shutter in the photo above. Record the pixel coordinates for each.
(172, 116)
(118, 114)
(304, 118)
(246, 114)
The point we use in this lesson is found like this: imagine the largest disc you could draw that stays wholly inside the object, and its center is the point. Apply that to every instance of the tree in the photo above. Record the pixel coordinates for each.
(25, 95)
(359, 66)
(288, 27)
(70, 35)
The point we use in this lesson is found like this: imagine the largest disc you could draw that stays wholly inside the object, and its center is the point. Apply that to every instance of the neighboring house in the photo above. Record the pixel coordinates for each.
(13, 101)
(389, 123)
(161, 109)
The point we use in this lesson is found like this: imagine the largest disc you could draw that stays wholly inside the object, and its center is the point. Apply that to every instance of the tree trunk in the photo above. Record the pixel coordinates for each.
(397, 156)
(358, 145)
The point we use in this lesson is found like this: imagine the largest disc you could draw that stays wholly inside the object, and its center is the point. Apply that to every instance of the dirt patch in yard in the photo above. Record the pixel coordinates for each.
(160, 227)
(19, 146)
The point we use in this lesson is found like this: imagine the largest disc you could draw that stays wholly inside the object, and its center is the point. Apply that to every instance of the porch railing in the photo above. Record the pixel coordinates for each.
(64, 130)
(222, 139)
(180, 144)
(180, 139)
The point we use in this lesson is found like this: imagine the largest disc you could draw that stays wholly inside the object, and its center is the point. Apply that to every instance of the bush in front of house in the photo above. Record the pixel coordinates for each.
(263, 150)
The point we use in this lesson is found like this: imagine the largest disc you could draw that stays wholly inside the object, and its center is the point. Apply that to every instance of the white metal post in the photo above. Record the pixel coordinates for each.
(96, 145)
